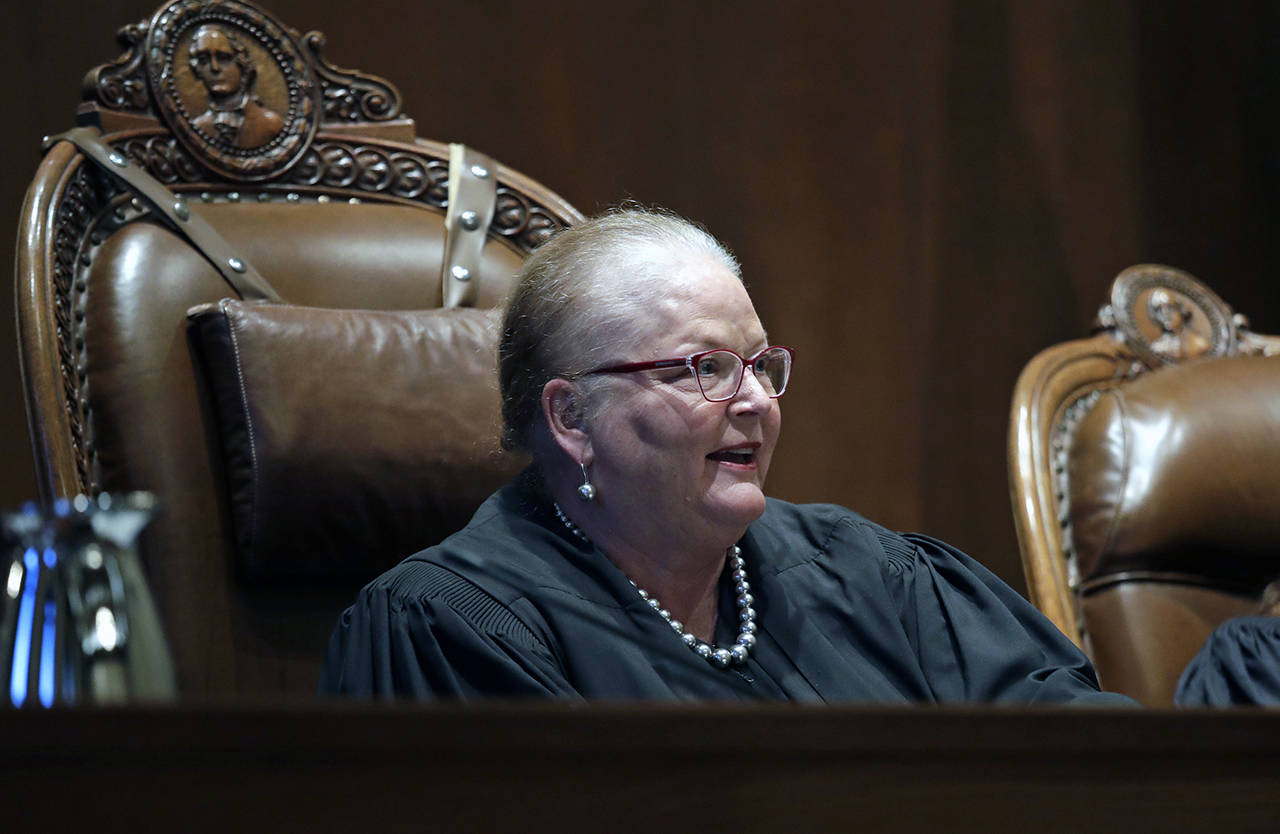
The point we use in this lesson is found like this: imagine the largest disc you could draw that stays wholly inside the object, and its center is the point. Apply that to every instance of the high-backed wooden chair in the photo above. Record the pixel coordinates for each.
(248, 288)
(1144, 467)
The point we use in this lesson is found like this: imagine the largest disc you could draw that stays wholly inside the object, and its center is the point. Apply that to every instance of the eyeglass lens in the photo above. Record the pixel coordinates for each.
(719, 372)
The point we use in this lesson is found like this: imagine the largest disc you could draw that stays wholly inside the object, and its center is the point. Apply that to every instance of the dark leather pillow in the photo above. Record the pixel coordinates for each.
(350, 438)
(1178, 473)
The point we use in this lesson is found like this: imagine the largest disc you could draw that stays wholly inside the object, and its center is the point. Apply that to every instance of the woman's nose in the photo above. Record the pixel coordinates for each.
(752, 392)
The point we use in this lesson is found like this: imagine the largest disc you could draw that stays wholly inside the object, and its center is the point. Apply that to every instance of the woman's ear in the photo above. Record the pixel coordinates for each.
(562, 408)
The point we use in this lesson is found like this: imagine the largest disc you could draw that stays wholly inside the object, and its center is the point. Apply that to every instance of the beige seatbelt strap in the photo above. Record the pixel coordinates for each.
(233, 267)
(473, 192)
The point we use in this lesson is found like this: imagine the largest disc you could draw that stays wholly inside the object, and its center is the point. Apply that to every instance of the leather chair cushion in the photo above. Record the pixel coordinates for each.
(1179, 473)
(350, 438)
(1142, 634)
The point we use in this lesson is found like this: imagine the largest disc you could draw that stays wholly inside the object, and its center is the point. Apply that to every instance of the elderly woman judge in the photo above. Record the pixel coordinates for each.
(639, 557)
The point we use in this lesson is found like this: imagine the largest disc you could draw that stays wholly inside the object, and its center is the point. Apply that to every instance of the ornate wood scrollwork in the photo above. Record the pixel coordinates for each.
(1166, 316)
(246, 99)
(164, 159)
(374, 170)
(91, 207)
(121, 84)
(361, 169)
(516, 216)
(233, 86)
(243, 94)
(350, 95)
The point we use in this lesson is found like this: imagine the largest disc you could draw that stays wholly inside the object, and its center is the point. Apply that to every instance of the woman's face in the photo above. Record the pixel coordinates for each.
(662, 455)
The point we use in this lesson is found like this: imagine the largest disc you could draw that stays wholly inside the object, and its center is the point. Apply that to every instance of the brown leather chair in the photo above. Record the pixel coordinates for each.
(331, 406)
(1144, 467)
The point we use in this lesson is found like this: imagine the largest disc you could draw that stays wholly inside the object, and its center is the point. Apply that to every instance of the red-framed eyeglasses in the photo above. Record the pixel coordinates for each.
(719, 372)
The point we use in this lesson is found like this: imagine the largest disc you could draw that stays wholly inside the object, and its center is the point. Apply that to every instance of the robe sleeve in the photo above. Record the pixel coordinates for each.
(449, 639)
(978, 640)
(1238, 665)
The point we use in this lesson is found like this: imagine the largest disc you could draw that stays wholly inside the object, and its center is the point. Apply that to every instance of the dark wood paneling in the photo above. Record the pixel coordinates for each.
(923, 193)
(559, 767)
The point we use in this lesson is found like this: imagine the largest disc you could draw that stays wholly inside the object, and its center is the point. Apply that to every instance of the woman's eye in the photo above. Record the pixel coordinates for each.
(708, 366)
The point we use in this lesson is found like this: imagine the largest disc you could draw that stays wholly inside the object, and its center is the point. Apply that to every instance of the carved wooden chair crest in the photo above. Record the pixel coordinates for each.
(223, 160)
(1142, 465)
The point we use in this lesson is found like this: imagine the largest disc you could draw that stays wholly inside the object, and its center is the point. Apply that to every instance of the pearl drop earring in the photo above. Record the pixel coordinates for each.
(587, 492)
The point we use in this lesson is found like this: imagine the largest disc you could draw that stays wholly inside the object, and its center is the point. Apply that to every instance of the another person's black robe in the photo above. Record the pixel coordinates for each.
(1239, 665)
(515, 605)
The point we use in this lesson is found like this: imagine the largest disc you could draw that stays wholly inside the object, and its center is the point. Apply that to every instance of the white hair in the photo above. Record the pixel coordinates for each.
(577, 299)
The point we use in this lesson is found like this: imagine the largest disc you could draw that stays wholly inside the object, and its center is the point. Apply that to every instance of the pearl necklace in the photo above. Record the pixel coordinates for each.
(715, 655)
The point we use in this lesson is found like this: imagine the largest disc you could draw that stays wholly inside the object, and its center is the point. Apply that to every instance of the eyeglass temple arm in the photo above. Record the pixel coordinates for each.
(642, 366)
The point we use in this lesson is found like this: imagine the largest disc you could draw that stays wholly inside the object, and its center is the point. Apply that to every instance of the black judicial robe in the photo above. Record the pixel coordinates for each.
(1239, 665)
(515, 605)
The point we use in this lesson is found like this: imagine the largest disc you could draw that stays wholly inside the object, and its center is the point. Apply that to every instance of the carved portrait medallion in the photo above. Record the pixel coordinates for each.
(1167, 316)
(232, 85)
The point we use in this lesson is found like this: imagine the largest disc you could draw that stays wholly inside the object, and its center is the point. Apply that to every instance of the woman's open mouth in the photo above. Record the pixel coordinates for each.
(740, 456)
